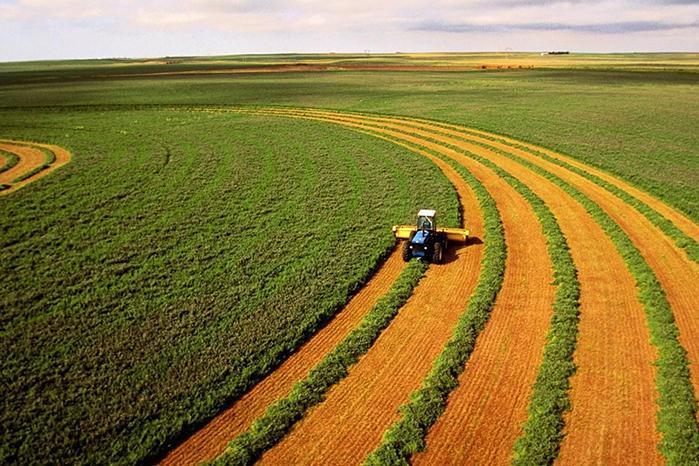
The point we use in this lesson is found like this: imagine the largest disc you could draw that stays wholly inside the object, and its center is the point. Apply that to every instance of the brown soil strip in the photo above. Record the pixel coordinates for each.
(349, 423)
(680, 220)
(211, 440)
(676, 273)
(613, 394)
(30, 157)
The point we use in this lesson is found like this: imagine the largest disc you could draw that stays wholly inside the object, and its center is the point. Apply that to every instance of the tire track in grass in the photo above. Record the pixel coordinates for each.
(607, 288)
(349, 423)
(211, 440)
(33, 163)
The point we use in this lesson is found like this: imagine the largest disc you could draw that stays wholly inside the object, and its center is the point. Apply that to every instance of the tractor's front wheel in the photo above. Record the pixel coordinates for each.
(437, 253)
(406, 252)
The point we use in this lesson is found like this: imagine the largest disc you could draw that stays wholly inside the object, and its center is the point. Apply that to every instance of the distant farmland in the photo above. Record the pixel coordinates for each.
(213, 277)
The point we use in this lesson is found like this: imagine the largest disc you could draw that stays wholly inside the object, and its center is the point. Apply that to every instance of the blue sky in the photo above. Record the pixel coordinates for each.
(54, 29)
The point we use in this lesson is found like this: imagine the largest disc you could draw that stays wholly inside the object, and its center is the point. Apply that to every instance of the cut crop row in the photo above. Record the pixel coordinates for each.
(682, 240)
(677, 403)
(279, 418)
(549, 400)
(427, 403)
(10, 160)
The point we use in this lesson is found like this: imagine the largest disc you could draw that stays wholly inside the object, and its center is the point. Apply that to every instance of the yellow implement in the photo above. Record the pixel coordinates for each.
(458, 235)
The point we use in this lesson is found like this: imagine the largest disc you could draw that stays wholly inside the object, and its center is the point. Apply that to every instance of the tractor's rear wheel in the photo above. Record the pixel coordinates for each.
(437, 253)
(406, 252)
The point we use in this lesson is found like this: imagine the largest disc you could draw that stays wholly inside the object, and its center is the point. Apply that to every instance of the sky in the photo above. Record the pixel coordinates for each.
(59, 29)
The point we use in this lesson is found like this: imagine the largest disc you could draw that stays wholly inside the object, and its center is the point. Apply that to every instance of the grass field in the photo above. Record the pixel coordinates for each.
(209, 224)
(165, 209)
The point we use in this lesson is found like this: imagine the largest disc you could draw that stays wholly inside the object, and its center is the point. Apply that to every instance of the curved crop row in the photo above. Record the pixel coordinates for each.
(10, 160)
(682, 240)
(553, 419)
(677, 403)
(550, 399)
(28, 162)
(281, 416)
(678, 428)
(428, 402)
(379, 128)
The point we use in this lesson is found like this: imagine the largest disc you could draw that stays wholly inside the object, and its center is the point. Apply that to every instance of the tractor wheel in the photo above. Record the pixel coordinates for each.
(437, 254)
(406, 253)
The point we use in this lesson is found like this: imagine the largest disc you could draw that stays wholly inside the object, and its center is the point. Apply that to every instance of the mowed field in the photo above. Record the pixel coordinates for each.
(198, 264)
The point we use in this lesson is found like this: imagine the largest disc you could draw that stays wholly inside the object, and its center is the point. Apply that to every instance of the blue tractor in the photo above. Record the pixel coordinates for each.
(425, 241)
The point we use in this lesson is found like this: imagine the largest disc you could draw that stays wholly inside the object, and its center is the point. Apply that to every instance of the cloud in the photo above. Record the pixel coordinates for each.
(343, 25)
(600, 28)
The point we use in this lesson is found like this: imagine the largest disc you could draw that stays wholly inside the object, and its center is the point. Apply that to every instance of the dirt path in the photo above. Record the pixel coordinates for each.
(30, 157)
(210, 441)
(614, 354)
(349, 423)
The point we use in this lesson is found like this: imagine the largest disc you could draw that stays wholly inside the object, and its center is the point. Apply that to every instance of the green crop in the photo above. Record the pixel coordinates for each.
(280, 417)
(427, 403)
(10, 161)
(677, 413)
(174, 262)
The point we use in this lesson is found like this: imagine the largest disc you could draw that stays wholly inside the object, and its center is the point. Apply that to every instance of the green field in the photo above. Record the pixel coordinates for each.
(183, 254)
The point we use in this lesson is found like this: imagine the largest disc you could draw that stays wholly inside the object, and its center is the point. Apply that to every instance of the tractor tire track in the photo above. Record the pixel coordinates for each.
(211, 440)
(349, 423)
(622, 423)
(30, 158)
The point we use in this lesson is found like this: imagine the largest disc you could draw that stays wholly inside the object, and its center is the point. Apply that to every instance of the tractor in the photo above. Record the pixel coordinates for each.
(424, 240)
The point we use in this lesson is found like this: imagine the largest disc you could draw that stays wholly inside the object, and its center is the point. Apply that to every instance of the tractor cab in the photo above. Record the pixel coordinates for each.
(426, 219)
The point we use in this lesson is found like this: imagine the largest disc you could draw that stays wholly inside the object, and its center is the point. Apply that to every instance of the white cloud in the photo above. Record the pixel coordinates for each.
(319, 25)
